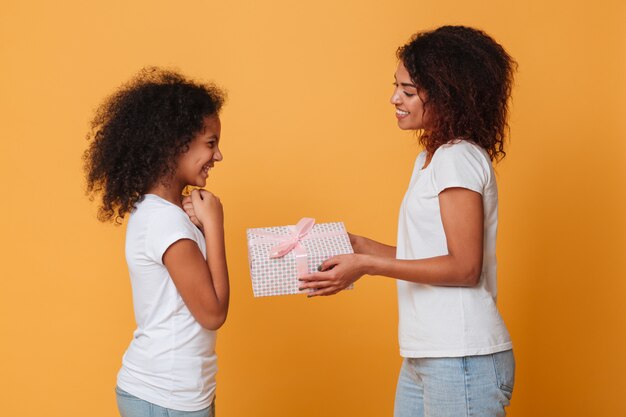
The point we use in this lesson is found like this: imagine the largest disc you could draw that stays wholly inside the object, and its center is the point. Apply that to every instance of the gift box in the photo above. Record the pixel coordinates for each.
(279, 255)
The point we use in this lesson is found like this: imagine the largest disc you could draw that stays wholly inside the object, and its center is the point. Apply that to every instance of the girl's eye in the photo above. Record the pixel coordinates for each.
(211, 144)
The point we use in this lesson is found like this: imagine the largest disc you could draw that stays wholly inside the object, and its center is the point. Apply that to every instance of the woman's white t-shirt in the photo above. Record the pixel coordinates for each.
(437, 321)
(171, 360)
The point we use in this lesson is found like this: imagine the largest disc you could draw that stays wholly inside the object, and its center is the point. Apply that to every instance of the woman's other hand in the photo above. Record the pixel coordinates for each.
(337, 274)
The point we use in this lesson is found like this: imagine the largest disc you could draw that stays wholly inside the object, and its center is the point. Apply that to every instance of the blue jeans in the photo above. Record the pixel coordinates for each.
(468, 386)
(131, 406)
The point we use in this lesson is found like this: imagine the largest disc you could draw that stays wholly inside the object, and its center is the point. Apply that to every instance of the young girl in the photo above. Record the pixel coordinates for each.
(452, 85)
(158, 134)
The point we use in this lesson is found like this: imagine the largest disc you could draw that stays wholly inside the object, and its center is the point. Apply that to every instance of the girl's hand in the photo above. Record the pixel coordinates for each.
(207, 209)
(338, 273)
(188, 207)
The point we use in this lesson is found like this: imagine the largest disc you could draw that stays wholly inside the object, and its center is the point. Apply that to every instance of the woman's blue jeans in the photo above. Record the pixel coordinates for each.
(468, 386)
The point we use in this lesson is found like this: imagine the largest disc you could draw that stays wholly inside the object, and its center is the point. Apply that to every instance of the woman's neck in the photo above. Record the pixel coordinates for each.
(429, 157)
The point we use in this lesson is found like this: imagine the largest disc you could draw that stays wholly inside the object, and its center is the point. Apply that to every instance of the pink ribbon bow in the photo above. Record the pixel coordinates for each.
(303, 227)
(292, 243)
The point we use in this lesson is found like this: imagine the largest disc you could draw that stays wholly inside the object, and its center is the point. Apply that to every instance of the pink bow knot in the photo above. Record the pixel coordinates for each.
(303, 227)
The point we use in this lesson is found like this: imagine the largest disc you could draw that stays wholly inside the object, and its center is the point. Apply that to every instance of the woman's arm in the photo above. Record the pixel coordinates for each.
(203, 284)
(367, 246)
(462, 218)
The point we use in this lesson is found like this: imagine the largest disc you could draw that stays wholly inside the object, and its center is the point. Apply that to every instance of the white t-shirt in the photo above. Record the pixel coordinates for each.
(171, 360)
(437, 321)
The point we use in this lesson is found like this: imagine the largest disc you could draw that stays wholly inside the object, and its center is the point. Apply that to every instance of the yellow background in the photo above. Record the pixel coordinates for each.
(308, 131)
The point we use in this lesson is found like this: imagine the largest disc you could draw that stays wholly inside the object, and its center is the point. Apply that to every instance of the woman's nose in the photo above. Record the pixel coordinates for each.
(395, 98)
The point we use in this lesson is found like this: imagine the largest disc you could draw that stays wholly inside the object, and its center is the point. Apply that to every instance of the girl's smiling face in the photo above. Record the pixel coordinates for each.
(409, 101)
(194, 165)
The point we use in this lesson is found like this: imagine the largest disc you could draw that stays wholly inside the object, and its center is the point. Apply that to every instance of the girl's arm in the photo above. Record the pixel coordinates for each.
(203, 284)
(462, 218)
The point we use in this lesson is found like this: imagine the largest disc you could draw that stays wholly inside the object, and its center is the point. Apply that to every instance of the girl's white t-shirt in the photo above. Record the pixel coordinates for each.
(437, 321)
(171, 359)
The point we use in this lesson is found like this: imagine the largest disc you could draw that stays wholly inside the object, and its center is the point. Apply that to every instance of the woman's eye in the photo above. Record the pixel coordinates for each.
(408, 94)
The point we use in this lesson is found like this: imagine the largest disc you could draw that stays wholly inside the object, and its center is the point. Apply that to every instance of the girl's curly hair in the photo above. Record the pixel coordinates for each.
(467, 77)
(138, 132)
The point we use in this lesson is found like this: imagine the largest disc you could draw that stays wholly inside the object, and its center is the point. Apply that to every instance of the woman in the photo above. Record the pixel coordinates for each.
(452, 86)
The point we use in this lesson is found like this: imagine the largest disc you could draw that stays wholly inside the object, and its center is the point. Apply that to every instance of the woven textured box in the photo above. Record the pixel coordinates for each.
(279, 255)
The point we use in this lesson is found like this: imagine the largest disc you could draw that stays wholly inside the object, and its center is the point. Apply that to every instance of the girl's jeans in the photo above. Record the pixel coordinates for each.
(131, 406)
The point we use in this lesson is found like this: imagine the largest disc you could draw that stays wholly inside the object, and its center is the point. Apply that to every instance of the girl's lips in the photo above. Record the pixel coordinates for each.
(206, 169)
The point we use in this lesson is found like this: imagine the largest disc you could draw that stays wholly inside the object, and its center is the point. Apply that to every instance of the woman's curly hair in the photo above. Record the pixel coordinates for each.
(467, 77)
(138, 133)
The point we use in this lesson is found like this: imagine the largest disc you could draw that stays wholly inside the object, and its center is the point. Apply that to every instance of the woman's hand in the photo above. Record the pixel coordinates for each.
(337, 274)
(207, 209)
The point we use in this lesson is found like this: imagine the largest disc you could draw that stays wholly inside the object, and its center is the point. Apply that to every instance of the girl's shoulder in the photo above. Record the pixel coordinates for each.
(152, 208)
(160, 218)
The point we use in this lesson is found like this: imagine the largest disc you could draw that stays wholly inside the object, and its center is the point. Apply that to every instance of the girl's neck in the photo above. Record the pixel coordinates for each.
(169, 192)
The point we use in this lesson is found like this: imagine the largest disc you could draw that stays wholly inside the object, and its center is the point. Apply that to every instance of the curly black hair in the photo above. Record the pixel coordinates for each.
(467, 77)
(138, 132)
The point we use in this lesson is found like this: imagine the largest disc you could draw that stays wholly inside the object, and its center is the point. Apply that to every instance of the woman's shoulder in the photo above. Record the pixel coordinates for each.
(464, 150)
(462, 163)
(460, 146)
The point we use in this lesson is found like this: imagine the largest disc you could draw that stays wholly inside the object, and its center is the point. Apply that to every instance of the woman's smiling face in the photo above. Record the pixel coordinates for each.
(408, 101)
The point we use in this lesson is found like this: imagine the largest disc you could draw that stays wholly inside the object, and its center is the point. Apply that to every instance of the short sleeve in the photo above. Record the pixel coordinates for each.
(167, 226)
(462, 165)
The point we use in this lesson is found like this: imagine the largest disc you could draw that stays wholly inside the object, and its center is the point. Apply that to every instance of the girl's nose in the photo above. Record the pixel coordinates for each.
(217, 156)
